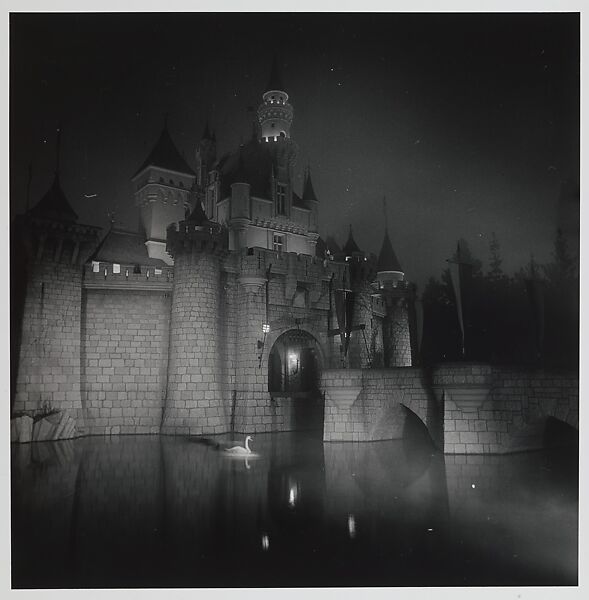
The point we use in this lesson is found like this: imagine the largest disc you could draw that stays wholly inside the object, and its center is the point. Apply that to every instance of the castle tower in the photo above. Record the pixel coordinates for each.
(275, 114)
(162, 186)
(53, 247)
(397, 295)
(195, 396)
(359, 294)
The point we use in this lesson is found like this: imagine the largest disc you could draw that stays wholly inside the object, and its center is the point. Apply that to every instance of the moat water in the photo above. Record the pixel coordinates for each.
(149, 511)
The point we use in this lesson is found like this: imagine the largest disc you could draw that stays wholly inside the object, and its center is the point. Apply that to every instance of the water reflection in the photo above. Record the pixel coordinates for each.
(144, 511)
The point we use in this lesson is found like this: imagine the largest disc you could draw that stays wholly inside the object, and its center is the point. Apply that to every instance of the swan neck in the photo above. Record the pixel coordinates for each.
(247, 444)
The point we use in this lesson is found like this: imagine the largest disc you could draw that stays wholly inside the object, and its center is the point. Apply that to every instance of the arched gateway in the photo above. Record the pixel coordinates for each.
(294, 372)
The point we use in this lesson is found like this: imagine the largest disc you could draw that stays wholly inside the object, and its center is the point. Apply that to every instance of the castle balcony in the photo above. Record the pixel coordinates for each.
(115, 276)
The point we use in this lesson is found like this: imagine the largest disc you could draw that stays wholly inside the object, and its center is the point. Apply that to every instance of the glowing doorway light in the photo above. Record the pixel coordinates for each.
(292, 359)
(351, 526)
(265, 542)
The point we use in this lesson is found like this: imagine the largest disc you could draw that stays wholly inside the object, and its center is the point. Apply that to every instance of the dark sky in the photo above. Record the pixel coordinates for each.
(468, 124)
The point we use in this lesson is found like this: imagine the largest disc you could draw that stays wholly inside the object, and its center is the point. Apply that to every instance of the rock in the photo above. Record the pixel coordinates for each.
(69, 429)
(43, 430)
(60, 420)
(24, 428)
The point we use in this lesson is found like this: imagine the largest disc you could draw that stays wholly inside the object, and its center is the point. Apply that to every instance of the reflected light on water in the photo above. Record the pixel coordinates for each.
(351, 526)
(135, 511)
(292, 496)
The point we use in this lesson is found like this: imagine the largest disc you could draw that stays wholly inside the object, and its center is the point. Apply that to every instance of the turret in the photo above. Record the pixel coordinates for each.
(53, 247)
(196, 344)
(162, 188)
(275, 114)
(389, 271)
(396, 296)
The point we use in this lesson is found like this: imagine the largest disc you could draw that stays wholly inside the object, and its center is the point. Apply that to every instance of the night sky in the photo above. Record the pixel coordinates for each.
(468, 124)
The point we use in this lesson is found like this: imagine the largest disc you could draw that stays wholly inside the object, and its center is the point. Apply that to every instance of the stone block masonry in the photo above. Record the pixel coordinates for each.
(467, 408)
(377, 411)
(124, 358)
(512, 415)
(194, 402)
(49, 361)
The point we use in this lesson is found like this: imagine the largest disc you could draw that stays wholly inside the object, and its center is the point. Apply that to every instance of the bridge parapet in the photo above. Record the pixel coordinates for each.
(467, 408)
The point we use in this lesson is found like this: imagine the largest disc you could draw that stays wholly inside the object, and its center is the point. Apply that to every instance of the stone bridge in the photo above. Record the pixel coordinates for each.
(467, 408)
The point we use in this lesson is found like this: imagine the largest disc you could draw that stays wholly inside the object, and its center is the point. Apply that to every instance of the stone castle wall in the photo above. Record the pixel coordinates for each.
(124, 358)
(195, 402)
(49, 360)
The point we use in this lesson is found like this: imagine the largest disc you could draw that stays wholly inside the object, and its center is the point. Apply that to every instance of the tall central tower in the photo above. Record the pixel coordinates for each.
(275, 114)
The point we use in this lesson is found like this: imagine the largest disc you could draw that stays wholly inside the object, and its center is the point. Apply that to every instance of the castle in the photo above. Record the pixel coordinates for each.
(219, 315)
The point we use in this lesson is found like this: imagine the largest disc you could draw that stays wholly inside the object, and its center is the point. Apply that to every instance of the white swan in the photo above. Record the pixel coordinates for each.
(240, 449)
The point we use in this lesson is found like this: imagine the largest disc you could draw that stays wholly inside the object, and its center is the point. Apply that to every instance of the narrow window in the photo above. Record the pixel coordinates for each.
(280, 199)
(278, 242)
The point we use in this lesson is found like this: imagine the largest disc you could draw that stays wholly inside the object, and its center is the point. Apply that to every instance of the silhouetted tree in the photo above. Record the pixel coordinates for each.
(495, 260)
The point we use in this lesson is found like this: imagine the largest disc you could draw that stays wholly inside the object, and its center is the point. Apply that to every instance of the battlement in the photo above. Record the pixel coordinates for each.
(104, 275)
(190, 236)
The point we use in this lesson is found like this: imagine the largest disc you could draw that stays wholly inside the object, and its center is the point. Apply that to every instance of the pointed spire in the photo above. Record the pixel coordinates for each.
(351, 247)
(206, 134)
(198, 215)
(165, 155)
(275, 81)
(54, 205)
(308, 191)
(387, 259)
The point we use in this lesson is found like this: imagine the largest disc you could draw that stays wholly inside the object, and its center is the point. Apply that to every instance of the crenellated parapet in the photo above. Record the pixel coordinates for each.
(193, 237)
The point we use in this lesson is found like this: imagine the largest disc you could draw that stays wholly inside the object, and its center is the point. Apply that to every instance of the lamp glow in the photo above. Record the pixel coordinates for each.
(265, 328)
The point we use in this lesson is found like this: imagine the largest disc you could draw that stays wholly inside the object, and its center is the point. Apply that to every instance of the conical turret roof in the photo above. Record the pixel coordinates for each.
(54, 205)
(387, 259)
(197, 216)
(166, 156)
(308, 191)
(206, 134)
(351, 247)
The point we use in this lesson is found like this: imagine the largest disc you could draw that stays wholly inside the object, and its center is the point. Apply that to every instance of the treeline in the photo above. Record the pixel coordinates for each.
(531, 317)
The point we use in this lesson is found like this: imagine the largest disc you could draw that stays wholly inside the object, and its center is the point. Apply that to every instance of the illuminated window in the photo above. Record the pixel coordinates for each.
(278, 242)
(280, 199)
